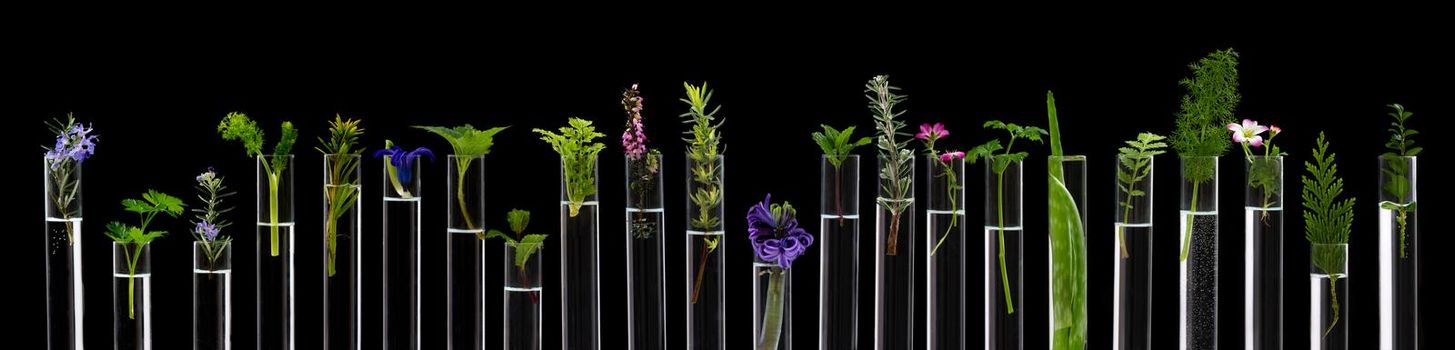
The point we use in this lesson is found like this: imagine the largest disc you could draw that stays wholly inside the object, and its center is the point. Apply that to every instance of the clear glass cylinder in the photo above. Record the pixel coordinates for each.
(1004, 259)
(211, 296)
(131, 290)
(1132, 287)
(580, 267)
(343, 214)
(894, 266)
(944, 241)
(465, 181)
(401, 239)
(64, 291)
(706, 297)
(1328, 296)
(646, 285)
(1067, 257)
(838, 241)
(1399, 321)
(275, 254)
(772, 306)
(1263, 253)
(1197, 324)
(522, 309)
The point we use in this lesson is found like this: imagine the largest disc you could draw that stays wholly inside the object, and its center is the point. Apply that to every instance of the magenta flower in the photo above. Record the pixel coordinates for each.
(634, 138)
(931, 133)
(1273, 130)
(949, 156)
(1248, 133)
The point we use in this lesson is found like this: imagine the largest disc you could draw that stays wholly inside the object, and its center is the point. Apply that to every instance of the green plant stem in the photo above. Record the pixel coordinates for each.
(1000, 216)
(1333, 304)
(1403, 212)
(773, 316)
(954, 217)
(131, 261)
(1126, 216)
(838, 187)
(1187, 236)
(464, 209)
(63, 202)
(331, 227)
(273, 209)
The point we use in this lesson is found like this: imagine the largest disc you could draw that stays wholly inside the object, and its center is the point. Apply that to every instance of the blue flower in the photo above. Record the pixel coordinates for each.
(208, 231)
(75, 143)
(402, 161)
(775, 234)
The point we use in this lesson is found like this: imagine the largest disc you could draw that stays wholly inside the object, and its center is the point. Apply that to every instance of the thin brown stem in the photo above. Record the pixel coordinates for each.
(701, 268)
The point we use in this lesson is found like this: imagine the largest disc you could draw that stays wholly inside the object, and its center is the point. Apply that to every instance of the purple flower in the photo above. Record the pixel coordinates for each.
(403, 161)
(207, 230)
(931, 133)
(775, 234)
(75, 143)
(634, 139)
(949, 156)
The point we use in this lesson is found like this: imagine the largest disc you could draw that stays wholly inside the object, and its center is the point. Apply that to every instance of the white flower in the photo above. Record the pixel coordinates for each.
(1248, 133)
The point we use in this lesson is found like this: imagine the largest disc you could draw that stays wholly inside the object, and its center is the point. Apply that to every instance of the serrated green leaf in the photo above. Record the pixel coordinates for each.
(527, 246)
(498, 234)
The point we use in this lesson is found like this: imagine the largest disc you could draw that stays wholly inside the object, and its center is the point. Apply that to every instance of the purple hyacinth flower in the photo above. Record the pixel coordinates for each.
(775, 234)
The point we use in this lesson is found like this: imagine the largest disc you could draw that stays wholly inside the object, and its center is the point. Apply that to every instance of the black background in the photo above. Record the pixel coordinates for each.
(156, 107)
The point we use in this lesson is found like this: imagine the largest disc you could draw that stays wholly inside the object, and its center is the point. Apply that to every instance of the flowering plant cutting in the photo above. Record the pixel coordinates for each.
(930, 134)
(1264, 173)
(74, 144)
(644, 161)
(209, 224)
(777, 239)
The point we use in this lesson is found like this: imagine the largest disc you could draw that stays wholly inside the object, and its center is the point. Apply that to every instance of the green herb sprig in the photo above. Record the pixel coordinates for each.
(342, 191)
(236, 126)
(468, 144)
(1397, 171)
(137, 237)
(1327, 217)
(1134, 168)
(578, 157)
(1212, 96)
(999, 162)
(703, 148)
(896, 177)
(526, 245)
(837, 145)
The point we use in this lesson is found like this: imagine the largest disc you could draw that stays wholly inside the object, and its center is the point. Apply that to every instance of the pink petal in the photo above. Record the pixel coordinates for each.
(1256, 141)
(1238, 137)
(1237, 129)
(1259, 129)
(1249, 124)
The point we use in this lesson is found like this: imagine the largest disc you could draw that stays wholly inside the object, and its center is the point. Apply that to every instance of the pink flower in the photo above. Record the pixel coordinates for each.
(949, 156)
(931, 132)
(1273, 130)
(1248, 133)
